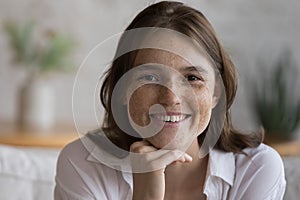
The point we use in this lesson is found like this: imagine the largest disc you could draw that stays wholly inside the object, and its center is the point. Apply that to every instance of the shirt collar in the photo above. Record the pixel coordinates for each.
(97, 155)
(222, 165)
(102, 151)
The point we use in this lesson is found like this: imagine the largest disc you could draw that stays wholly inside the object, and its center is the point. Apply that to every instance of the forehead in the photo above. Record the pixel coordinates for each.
(159, 56)
(172, 49)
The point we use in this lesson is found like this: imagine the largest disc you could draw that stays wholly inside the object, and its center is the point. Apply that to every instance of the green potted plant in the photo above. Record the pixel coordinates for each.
(274, 99)
(39, 58)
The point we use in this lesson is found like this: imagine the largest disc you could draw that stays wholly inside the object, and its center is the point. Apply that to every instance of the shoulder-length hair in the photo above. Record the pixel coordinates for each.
(191, 22)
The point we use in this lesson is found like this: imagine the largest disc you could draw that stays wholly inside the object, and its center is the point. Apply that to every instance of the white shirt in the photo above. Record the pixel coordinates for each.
(257, 173)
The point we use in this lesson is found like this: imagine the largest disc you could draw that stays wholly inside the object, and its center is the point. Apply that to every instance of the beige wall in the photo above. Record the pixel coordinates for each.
(248, 29)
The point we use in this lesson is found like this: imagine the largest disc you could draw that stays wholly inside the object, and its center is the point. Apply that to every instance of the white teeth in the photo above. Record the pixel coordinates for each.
(168, 118)
(172, 118)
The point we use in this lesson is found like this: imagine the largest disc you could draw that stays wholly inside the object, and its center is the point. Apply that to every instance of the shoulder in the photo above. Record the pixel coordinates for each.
(261, 155)
(259, 171)
(79, 178)
(73, 156)
(77, 155)
(263, 161)
(72, 149)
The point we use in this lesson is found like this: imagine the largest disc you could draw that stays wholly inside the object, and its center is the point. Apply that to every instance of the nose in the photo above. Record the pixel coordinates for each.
(167, 97)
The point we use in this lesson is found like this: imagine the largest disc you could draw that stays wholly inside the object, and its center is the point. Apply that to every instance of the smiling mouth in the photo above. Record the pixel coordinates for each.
(170, 118)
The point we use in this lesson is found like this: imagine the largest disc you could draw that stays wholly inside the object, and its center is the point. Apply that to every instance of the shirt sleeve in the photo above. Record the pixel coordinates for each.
(70, 182)
(261, 176)
(77, 179)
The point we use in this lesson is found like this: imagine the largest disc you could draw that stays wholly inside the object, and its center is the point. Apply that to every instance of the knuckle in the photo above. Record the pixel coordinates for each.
(140, 149)
(134, 146)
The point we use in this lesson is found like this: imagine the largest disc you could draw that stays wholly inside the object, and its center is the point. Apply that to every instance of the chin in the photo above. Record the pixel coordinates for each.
(170, 143)
(162, 142)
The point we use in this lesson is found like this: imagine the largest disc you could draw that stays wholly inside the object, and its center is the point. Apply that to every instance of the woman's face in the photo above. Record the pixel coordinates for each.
(184, 90)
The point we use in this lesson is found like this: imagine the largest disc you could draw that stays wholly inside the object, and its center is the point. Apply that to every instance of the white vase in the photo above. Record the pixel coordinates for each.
(37, 105)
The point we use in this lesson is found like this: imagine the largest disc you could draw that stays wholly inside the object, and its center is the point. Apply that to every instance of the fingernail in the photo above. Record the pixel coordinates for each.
(188, 158)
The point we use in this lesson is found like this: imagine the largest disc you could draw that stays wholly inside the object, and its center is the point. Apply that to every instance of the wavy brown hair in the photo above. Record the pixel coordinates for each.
(191, 22)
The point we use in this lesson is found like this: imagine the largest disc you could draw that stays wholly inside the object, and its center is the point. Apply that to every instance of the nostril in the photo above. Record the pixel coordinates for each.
(168, 97)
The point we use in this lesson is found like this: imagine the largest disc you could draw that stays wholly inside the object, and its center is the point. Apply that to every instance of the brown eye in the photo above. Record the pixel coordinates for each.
(193, 78)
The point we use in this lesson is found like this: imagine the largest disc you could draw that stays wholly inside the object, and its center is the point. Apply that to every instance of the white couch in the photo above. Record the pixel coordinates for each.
(27, 173)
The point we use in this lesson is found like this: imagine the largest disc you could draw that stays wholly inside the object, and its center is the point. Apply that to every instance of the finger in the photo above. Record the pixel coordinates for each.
(184, 159)
(188, 158)
(151, 161)
(138, 144)
(169, 156)
(156, 160)
(142, 147)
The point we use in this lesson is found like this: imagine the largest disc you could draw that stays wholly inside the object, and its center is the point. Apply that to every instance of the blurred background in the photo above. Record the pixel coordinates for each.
(251, 31)
(43, 43)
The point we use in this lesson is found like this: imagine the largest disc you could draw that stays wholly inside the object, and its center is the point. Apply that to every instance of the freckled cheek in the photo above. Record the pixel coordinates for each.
(204, 105)
(139, 104)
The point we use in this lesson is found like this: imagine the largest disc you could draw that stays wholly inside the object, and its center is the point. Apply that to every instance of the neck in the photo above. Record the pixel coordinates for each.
(194, 173)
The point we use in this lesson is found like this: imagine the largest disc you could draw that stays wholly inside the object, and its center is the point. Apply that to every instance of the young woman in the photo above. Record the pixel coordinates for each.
(167, 132)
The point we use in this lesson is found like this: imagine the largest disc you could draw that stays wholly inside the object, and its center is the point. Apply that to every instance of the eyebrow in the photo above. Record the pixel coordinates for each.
(195, 68)
(150, 67)
(147, 67)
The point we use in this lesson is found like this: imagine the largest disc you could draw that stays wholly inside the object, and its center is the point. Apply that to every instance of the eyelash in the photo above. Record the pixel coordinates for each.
(153, 78)
(146, 78)
(188, 77)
